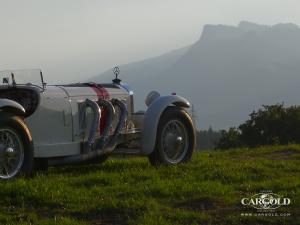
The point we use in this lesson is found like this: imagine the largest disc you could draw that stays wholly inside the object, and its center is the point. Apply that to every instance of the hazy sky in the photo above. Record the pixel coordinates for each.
(72, 39)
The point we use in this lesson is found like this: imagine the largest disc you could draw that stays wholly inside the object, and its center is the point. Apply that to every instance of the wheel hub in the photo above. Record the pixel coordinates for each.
(179, 140)
(9, 151)
(173, 140)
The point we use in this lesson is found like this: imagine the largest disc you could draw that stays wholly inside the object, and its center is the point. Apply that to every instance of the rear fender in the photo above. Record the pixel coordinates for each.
(152, 116)
(7, 105)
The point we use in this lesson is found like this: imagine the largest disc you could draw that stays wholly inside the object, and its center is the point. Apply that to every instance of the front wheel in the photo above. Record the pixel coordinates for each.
(16, 151)
(175, 139)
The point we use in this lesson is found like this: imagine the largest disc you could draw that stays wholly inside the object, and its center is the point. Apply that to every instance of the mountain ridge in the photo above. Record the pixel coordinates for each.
(228, 72)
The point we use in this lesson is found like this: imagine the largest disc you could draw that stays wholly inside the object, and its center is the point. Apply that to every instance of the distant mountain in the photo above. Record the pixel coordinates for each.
(140, 74)
(227, 73)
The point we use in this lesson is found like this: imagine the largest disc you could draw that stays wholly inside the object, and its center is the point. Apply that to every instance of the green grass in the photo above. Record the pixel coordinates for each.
(207, 190)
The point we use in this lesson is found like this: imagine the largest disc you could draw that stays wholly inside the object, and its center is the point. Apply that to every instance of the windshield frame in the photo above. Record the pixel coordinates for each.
(13, 75)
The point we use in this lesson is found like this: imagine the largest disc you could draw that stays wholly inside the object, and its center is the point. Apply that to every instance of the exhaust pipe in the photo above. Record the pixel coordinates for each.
(104, 145)
(121, 122)
(108, 121)
(96, 121)
(114, 139)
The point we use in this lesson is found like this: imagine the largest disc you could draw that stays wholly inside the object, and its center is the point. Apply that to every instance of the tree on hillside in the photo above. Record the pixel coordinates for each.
(270, 125)
(230, 139)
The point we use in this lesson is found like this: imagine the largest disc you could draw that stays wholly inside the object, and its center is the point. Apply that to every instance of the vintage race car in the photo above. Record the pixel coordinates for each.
(46, 125)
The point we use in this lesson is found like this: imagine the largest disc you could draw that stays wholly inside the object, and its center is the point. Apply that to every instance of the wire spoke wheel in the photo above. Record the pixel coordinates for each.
(11, 153)
(174, 141)
(175, 138)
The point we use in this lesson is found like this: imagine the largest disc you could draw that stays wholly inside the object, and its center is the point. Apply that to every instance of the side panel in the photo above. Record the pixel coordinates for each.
(152, 116)
(55, 124)
(51, 125)
(76, 96)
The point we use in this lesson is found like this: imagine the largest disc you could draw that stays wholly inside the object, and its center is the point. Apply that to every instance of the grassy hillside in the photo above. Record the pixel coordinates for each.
(206, 191)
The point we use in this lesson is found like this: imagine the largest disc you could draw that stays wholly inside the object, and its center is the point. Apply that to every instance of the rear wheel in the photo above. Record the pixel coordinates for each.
(175, 139)
(16, 151)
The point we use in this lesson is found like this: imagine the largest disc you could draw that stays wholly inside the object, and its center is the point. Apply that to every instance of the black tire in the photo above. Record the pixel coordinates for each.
(174, 115)
(14, 127)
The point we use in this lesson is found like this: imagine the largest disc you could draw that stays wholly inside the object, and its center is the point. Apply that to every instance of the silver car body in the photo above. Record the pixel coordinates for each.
(52, 115)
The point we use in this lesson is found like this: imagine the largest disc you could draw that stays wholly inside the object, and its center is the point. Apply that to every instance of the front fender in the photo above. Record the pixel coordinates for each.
(152, 116)
(11, 106)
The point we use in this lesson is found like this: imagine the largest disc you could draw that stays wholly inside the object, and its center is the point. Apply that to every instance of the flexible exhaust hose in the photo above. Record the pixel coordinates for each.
(96, 120)
(110, 146)
(121, 122)
(108, 121)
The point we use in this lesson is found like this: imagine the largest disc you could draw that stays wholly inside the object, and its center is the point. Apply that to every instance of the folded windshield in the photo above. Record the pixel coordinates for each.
(22, 77)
